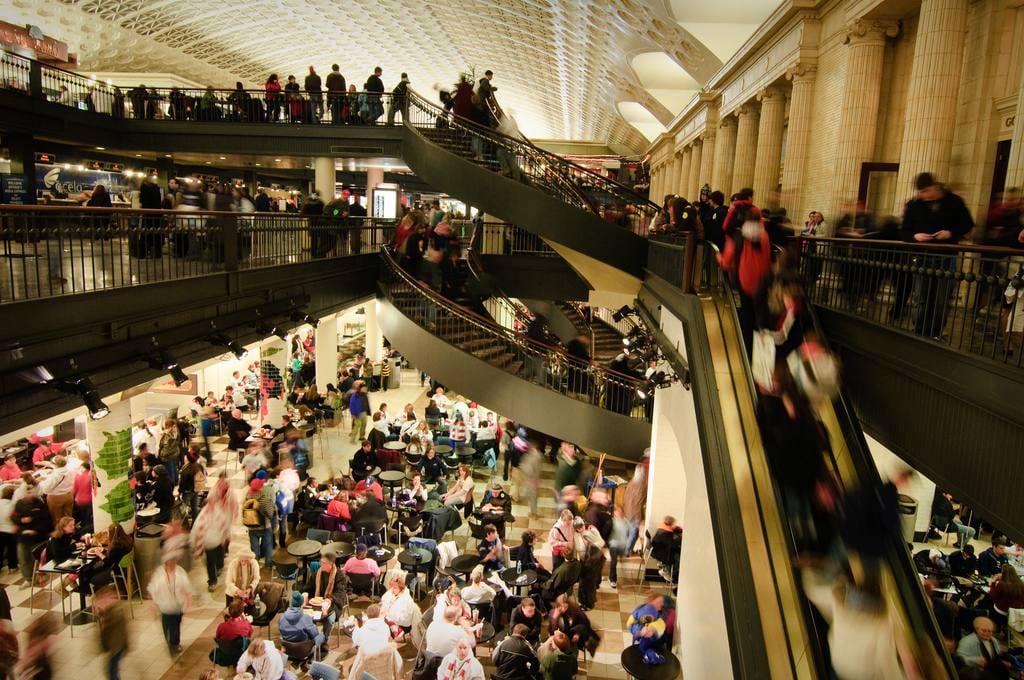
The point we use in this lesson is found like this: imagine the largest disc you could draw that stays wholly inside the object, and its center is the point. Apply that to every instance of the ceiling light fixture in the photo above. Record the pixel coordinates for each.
(101, 148)
(218, 338)
(83, 387)
(301, 317)
(223, 158)
(163, 361)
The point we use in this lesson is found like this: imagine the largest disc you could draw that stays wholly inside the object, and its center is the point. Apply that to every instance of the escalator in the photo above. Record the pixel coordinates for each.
(528, 381)
(596, 224)
(794, 634)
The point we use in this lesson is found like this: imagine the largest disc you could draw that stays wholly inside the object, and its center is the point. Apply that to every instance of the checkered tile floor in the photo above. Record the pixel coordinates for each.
(78, 657)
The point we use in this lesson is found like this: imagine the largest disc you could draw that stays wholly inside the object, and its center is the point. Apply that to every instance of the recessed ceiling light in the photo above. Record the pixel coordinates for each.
(223, 158)
(257, 165)
(101, 148)
(167, 155)
(138, 155)
(208, 162)
(277, 160)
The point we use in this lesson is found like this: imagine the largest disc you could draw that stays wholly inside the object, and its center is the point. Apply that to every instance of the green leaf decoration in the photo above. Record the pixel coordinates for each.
(119, 504)
(269, 351)
(115, 453)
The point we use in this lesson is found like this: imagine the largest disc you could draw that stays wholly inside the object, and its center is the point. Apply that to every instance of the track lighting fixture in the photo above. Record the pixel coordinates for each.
(622, 312)
(84, 388)
(218, 338)
(658, 379)
(163, 361)
(300, 316)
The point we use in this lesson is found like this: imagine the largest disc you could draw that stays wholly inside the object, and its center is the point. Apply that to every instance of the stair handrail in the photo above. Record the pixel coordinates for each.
(487, 325)
(514, 309)
(563, 166)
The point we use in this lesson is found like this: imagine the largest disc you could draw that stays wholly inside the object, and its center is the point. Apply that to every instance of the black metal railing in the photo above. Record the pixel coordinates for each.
(502, 238)
(503, 348)
(507, 312)
(522, 161)
(14, 72)
(672, 257)
(50, 250)
(968, 298)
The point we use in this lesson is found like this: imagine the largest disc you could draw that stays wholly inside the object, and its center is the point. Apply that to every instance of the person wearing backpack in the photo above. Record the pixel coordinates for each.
(258, 515)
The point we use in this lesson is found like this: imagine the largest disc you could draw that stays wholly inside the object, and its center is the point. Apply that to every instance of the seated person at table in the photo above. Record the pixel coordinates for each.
(420, 438)
(491, 549)
(991, 560)
(361, 564)
(330, 582)
(558, 657)
(452, 597)
(10, 470)
(379, 431)
(364, 461)
(297, 626)
(1007, 593)
(525, 559)
(514, 658)
(980, 647)
(370, 484)
(99, 573)
(477, 592)
(264, 661)
(462, 489)
(370, 515)
(566, 616)
(496, 507)
(242, 577)
(163, 494)
(235, 625)
(338, 507)
(61, 545)
(397, 605)
(666, 546)
(416, 493)
(445, 631)
(373, 633)
(461, 664)
(647, 624)
(434, 470)
(432, 412)
(238, 430)
(486, 435)
(526, 615)
(306, 507)
(963, 563)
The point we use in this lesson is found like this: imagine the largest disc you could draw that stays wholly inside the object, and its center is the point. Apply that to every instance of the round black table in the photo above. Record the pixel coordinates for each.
(381, 554)
(485, 634)
(443, 449)
(633, 663)
(414, 557)
(465, 454)
(304, 550)
(342, 549)
(392, 478)
(395, 445)
(517, 579)
(464, 564)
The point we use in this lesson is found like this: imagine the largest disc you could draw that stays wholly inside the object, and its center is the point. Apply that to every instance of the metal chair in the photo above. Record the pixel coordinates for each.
(288, 572)
(38, 555)
(645, 555)
(226, 653)
(363, 584)
(318, 535)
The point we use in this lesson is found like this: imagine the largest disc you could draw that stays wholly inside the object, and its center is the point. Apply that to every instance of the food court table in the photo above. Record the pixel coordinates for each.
(394, 445)
(380, 554)
(463, 564)
(514, 578)
(633, 664)
(465, 454)
(343, 549)
(303, 550)
(73, 566)
(392, 478)
(413, 559)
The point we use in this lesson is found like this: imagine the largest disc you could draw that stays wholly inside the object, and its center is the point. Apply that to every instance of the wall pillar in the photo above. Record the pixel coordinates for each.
(746, 148)
(684, 174)
(110, 443)
(274, 354)
(677, 172)
(707, 159)
(801, 105)
(859, 119)
(164, 171)
(1015, 169)
(725, 155)
(23, 162)
(693, 185)
(375, 176)
(374, 335)
(251, 182)
(326, 337)
(932, 95)
(769, 146)
(324, 177)
(657, 181)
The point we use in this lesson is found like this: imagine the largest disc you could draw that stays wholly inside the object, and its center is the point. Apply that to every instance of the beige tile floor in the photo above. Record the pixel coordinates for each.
(80, 658)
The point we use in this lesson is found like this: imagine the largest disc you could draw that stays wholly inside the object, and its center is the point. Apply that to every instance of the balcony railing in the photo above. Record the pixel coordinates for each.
(502, 238)
(512, 352)
(49, 251)
(968, 298)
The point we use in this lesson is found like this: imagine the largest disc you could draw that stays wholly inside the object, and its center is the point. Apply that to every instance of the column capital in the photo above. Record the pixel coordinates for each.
(769, 94)
(708, 135)
(727, 122)
(870, 31)
(801, 72)
(747, 109)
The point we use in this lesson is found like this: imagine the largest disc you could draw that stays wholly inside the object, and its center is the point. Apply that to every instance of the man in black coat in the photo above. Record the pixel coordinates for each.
(963, 563)
(514, 658)
(935, 216)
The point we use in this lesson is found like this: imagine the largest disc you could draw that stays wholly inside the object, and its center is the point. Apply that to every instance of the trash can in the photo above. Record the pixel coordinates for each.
(395, 380)
(908, 517)
(147, 552)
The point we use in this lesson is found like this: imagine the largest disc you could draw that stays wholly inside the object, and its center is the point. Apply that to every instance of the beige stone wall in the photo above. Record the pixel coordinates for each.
(828, 96)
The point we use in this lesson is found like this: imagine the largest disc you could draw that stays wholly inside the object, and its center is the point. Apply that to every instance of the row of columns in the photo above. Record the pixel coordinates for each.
(745, 148)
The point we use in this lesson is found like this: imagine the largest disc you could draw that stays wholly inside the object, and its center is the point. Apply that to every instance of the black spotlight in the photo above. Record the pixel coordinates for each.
(301, 317)
(268, 330)
(621, 313)
(224, 341)
(84, 388)
(163, 361)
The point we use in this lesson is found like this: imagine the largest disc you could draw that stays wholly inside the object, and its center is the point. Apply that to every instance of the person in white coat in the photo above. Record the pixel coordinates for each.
(264, 661)
(373, 634)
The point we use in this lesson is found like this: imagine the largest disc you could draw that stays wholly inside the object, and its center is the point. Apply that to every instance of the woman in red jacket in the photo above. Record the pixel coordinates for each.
(235, 625)
(273, 97)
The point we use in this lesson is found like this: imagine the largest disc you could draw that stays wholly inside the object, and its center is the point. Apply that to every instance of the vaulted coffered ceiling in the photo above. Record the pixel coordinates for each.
(561, 66)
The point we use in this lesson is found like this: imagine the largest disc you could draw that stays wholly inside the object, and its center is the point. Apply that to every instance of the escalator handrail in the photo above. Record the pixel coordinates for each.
(606, 184)
(899, 561)
(531, 346)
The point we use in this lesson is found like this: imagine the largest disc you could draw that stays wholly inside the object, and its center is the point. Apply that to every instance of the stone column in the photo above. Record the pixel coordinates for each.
(374, 336)
(684, 175)
(707, 158)
(769, 146)
(677, 170)
(274, 354)
(801, 105)
(932, 94)
(110, 443)
(746, 148)
(324, 175)
(1015, 169)
(326, 335)
(859, 119)
(374, 176)
(725, 154)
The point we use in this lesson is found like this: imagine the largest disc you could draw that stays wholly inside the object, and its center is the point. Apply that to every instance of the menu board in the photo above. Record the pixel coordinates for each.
(14, 189)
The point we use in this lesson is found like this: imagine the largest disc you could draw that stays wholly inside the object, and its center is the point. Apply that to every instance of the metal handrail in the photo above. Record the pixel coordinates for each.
(514, 310)
(1001, 251)
(506, 335)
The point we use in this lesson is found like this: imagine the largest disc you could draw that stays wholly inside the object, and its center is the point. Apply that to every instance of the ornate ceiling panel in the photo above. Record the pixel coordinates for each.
(560, 65)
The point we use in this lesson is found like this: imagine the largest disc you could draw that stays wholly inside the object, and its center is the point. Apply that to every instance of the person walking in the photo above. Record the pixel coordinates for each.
(314, 90)
(113, 628)
(211, 531)
(259, 513)
(359, 409)
(172, 597)
(335, 94)
(399, 100)
(374, 89)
